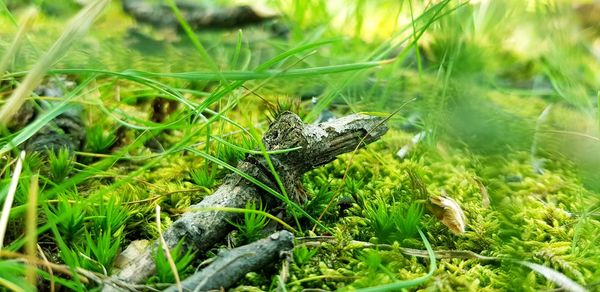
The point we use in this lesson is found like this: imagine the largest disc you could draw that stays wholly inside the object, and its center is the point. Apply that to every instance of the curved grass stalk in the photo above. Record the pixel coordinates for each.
(28, 20)
(250, 151)
(167, 252)
(409, 283)
(75, 30)
(12, 189)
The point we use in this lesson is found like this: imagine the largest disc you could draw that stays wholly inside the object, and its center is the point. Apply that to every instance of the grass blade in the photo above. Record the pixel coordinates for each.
(75, 30)
(9, 197)
(554, 276)
(31, 227)
(409, 283)
(28, 20)
(41, 121)
(167, 252)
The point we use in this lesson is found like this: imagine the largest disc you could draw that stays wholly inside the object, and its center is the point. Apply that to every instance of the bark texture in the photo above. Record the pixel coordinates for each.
(197, 15)
(232, 265)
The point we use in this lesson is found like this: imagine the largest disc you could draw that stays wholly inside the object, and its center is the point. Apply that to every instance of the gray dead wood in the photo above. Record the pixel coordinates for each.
(231, 266)
(197, 15)
(321, 143)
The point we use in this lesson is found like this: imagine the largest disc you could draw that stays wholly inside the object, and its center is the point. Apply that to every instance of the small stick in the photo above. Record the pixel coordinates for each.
(232, 265)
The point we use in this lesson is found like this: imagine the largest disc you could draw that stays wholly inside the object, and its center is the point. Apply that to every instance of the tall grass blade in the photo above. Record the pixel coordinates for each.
(192, 36)
(74, 31)
(167, 252)
(398, 285)
(9, 55)
(31, 227)
(12, 189)
(554, 276)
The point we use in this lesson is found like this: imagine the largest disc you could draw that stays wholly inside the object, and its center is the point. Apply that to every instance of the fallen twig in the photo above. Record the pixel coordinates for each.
(317, 241)
(232, 265)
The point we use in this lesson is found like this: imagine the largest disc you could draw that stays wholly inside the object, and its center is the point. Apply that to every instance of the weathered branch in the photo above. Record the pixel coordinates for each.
(232, 265)
(320, 144)
(197, 15)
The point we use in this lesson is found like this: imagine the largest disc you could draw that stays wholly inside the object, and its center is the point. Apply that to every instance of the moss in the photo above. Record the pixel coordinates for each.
(531, 217)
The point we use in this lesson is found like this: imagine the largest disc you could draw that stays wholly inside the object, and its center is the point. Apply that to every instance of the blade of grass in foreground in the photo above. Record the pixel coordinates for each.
(28, 20)
(409, 283)
(75, 30)
(9, 197)
(41, 121)
(430, 16)
(254, 75)
(192, 36)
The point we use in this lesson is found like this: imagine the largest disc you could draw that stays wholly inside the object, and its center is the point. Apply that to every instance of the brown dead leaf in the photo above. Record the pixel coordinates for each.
(448, 211)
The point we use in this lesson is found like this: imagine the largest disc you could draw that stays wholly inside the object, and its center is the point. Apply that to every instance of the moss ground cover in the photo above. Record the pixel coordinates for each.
(503, 95)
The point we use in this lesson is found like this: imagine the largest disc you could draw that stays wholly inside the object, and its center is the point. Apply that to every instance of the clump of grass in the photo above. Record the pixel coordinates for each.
(254, 223)
(100, 250)
(204, 177)
(68, 217)
(33, 161)
(98, 140)
(110, 215)
(61, 164)
(283, 104)
(182, 260)
(393, 223)
(320, 200)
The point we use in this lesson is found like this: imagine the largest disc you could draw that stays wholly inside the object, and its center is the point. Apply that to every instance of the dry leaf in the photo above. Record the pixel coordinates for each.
(448, 211)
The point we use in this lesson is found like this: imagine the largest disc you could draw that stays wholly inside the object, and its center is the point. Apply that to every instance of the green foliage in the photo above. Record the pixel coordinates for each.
(302, 254)
(12, 276)
(354, 185)
(390, 223)
(231, 155)
(69, 218)
(283, 104)
(182, 260)
(476, 84)
(254, 223)
(319, 201)
(61, 164)
(98, 140)
(100, 250)
(108, 215)
(33, 161)
(67, 255)
(203, 177)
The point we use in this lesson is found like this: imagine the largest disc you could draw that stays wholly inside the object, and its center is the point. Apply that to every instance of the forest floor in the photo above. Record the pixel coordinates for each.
(491, 160)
